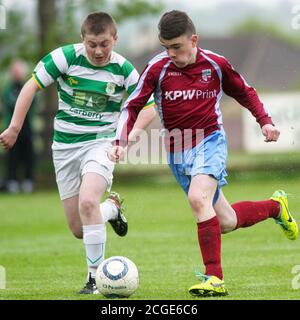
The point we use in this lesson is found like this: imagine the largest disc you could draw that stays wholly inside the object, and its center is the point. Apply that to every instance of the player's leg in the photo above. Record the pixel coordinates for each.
(225, 213)
(72, 214)
(28, 161)
(209, 162)
(69, 165)
(249, 213)
(68, 179)
(92, 188)
(200, 196)
(96, 171)
(112, 210)
(12, 161)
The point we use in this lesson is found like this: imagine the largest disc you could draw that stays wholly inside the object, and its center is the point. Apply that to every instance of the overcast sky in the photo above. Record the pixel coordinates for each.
(185, 3)
(212, 3)
(279, 10)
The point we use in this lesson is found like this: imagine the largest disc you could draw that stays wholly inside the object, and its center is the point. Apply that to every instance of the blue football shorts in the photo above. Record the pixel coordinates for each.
(207, 157)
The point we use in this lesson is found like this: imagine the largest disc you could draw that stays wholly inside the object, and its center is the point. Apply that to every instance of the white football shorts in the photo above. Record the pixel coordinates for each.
(72, 162)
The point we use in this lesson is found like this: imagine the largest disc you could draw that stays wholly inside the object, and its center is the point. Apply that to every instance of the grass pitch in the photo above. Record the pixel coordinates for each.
(44, 261)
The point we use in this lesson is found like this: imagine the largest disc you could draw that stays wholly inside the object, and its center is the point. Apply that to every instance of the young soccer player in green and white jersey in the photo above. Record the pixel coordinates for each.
(92, 81)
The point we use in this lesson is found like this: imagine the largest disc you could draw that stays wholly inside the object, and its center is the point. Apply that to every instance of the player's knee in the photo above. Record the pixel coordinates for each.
(197, 202)
(87, 206)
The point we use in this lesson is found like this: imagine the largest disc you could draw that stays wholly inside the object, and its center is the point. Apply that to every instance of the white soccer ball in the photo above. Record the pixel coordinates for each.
(117, 277)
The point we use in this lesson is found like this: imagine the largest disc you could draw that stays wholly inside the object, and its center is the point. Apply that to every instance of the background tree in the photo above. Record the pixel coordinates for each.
(254, 26)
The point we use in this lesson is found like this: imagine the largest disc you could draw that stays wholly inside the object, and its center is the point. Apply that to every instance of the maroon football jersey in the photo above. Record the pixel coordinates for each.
(189, 97)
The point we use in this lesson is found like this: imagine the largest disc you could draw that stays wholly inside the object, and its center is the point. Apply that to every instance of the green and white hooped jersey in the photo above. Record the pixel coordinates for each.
(90, 97)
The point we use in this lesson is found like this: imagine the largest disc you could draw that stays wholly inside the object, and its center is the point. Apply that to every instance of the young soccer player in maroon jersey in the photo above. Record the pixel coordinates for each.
(188, 83)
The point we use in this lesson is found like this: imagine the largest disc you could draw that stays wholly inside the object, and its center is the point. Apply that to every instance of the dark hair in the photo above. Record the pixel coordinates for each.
(97, 23)
(175, 23)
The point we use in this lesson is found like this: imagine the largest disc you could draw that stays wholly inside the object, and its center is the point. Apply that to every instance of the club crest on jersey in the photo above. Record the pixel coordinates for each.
(110, 88)
(206, 75)
(72, 81)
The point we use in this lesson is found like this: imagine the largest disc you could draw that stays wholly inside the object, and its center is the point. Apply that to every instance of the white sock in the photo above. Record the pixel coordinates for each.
(94, 237)
(108, 210)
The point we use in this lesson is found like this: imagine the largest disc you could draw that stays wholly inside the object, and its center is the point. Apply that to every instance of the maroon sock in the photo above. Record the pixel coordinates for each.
(209, 237)
(251, 212)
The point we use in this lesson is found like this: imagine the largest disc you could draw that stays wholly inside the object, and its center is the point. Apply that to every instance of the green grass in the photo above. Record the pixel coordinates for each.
(44, 261)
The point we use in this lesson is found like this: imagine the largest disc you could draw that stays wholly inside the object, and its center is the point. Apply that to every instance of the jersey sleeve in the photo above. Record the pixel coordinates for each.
(52, 66)
(138, 99)
(131, 77)
(236, 87)
(131, 80)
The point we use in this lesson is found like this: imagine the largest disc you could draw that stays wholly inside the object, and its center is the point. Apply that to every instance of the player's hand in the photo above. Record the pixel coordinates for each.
(270, 132)
(8, 138)
(116, 154)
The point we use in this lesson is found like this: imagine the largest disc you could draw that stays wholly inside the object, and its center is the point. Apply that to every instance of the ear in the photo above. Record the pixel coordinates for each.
(81, 37)
(194, 40)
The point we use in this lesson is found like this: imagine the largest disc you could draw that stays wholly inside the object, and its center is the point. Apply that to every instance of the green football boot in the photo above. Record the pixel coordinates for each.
(209, 286)
(285, 220)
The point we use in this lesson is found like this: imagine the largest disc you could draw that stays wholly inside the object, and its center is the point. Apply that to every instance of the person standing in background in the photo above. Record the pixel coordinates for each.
(22, 155)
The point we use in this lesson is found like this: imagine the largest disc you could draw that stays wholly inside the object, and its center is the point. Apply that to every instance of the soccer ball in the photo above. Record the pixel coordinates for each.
(117, 277)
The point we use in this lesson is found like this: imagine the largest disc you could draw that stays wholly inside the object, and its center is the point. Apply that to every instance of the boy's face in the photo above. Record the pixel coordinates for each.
(181, 50)
(99, 47)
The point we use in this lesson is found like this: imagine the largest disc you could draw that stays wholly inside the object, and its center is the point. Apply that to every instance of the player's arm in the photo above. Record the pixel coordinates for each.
(9, 136)
(145, 117)
(134, 106)
(235, 86)
(145, 114)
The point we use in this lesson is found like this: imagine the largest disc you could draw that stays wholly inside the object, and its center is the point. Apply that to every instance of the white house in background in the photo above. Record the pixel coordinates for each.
(285, 110)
